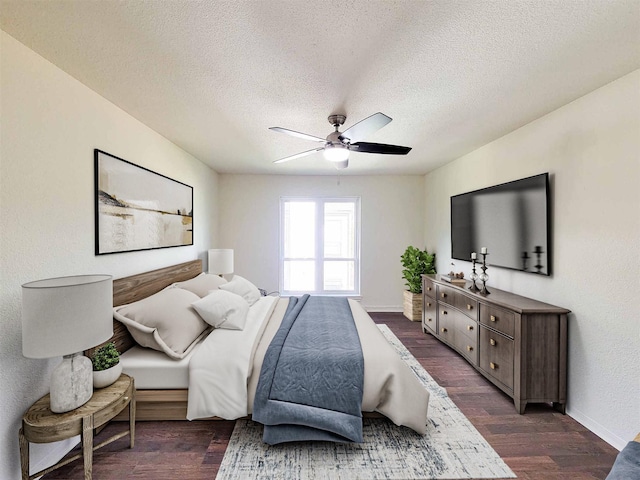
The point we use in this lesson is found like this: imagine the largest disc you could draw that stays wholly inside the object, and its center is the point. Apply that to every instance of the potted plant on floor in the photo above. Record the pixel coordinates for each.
(106, 365)
(415, 263)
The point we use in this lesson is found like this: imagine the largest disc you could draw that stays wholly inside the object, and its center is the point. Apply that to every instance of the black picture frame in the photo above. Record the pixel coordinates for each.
(138, 209)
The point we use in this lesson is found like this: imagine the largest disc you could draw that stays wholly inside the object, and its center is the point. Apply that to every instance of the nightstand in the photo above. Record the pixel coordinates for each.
(41, 425)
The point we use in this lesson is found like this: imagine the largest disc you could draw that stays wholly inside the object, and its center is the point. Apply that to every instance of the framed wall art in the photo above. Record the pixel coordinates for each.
(138, 209)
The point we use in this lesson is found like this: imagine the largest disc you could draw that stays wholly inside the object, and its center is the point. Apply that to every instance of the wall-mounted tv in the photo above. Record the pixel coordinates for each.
(511, 220)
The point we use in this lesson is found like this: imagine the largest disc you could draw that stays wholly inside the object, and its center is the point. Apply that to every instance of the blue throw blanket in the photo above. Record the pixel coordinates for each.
(311, 382)
(627, 464)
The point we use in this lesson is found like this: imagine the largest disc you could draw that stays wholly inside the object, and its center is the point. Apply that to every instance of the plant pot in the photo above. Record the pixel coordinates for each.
(413, 306)
(104, 378)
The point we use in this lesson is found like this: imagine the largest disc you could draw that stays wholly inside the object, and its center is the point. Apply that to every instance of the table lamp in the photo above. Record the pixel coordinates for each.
(221, 261)
(63, 317)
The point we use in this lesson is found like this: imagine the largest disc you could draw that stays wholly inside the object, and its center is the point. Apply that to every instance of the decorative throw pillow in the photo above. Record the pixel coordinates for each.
(164, 321)
(243, 287)
(202, 284)
(222, 309)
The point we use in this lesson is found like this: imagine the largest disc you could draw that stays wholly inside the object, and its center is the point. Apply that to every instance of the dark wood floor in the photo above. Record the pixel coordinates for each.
(542, 444)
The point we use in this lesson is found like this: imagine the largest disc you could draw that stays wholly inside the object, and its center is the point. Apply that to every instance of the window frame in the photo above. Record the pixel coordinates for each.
(319, 257)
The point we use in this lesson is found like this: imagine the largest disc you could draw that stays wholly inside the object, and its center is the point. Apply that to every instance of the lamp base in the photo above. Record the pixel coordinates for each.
(71, 383)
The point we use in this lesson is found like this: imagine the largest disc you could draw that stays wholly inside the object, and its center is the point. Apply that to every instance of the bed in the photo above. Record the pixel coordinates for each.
(166, 388)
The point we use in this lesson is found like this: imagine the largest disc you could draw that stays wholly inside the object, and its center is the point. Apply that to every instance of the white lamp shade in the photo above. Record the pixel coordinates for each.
(65, 315)
(221, 261)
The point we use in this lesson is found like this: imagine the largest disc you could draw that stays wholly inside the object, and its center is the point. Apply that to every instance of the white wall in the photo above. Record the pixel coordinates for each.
(591, 147)
(392, 219)
(50, 125)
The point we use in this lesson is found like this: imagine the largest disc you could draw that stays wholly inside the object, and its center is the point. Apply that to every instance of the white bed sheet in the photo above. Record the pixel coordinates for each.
(219, 370)
(154, 370)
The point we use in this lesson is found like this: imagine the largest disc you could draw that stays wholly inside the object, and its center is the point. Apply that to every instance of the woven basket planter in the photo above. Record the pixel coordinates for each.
(413, 306)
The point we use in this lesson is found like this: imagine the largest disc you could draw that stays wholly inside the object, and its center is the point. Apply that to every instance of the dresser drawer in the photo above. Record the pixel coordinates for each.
(446, 328)
(467, 338)
(459, 300)
(459, 331)
(428, 287)
(467, 327)
(498, 318)
(496, 356)
(430, 314)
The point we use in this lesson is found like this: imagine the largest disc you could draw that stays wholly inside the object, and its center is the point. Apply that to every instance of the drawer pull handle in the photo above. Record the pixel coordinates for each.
(443, 295)
(492, 318)
(444, 312)
(492, 342)
(428, 304)
(429, 320)
(493, 365)
(469, 348)
(469, 307)
(428, 289)
(469, 327)
(443, 330)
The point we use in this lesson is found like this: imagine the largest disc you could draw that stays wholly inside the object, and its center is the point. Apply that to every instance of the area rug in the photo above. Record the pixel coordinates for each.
(452, 448)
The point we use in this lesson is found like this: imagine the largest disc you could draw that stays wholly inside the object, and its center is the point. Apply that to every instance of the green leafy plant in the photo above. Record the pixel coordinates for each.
(416, 262)
(105, 357)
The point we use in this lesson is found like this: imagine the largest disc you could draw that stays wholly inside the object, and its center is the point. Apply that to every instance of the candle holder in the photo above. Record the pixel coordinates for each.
(474, 276)
(525, 261)
(483, 276)
(538, 252)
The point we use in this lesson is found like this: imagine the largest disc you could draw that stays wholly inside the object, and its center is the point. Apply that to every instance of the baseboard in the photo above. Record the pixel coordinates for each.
(44, 455)
(605, 434)
(383, 309)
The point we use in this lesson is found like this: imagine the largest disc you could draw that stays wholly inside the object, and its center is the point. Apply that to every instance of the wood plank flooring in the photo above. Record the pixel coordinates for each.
(542, 444)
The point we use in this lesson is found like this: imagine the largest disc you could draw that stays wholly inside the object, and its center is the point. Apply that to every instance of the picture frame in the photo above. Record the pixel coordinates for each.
(137, 208)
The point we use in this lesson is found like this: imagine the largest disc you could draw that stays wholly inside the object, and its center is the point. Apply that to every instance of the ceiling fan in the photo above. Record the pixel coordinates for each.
(337, 145)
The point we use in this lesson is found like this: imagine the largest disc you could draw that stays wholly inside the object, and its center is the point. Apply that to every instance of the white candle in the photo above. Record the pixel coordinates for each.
(473, 255)
(483, 250)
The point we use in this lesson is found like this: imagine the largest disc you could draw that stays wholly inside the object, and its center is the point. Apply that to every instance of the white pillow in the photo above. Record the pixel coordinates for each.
(164, 321)
(222, 309)
(243, 287)
(202, 284)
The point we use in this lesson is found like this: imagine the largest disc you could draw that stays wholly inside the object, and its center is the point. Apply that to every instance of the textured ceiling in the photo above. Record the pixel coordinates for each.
(212, 76)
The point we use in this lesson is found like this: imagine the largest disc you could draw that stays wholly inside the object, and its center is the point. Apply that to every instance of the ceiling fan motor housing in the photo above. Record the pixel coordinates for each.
(334, 139)
(337, 120)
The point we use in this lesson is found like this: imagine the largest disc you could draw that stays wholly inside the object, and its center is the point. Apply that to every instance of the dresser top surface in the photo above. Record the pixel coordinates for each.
(502, 298)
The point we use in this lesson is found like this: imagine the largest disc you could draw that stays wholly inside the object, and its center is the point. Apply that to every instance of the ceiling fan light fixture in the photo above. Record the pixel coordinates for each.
(336, 153)
(341, 165)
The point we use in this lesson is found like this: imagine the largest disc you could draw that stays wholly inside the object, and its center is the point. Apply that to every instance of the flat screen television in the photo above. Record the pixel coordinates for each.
(511, 220)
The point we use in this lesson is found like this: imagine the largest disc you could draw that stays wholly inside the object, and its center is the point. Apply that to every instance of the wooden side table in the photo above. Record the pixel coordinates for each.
(41, 425)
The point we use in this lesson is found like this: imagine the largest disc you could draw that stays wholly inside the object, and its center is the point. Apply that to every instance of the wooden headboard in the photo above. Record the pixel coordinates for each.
(136, 287)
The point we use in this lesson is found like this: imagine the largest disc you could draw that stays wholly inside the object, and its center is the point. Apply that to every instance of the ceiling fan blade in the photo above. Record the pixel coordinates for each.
(298, 134)
(365, 147)
(365, 127)
(298, 155)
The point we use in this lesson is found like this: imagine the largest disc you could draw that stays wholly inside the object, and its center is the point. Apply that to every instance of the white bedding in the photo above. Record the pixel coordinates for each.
(221, 373)
(224, 372)
(154, 370)
(219, 370)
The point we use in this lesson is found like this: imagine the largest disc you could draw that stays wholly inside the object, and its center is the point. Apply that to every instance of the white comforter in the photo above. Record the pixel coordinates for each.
(224, 372)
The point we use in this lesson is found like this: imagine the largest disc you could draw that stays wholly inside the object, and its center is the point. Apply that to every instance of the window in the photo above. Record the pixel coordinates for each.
(320, 246)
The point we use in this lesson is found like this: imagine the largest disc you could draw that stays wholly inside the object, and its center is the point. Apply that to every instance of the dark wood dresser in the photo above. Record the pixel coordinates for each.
(517, 343)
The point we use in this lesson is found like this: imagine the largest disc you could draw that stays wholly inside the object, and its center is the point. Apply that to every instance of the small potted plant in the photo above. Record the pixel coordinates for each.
(106, 365)
(416, 262)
